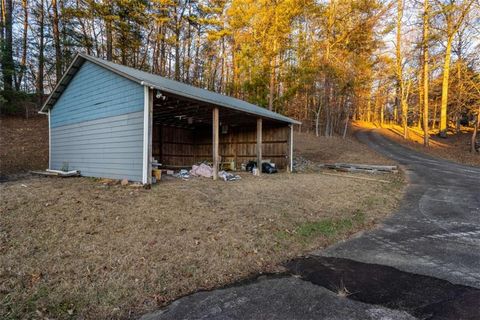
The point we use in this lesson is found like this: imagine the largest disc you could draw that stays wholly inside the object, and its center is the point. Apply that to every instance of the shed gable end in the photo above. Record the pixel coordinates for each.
(95, 93)
(97, 125)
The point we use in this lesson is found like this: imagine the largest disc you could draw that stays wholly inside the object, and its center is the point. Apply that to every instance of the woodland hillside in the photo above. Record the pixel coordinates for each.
(414, 63)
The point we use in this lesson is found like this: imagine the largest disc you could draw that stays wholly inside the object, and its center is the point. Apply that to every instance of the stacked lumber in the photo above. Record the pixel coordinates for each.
(355, 167)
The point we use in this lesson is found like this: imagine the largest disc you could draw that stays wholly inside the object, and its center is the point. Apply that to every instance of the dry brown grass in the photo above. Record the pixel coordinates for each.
(81, 248)
(336, 149)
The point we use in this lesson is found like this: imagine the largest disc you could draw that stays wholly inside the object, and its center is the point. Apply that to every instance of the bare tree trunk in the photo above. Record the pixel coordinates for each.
(446, 73)
(7, 45)
(271, 95)
(369, 108)
(177, 53)
(86, 38)
(454, 15)
(347, 118)
(224, 76)
(405, 118)
(196, 69)
(317, 115)
(109, 31)
(56, 41)
(401, 99)
(156, 52)
(66, 52)
(41, 48)
(327, 121)
(475, 132)
(395, 114)
(163, 54)
(382, 115)
(405, 94)
(23, 62)
(178, 27)
(426, 14)
(420, 91)
(186, 53)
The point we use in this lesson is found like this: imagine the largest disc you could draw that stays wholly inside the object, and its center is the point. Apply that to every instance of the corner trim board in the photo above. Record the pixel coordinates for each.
(145, 134)
(49, 142)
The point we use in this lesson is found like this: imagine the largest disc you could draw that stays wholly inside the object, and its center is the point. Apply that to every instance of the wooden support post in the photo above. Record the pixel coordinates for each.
(215, 138)
(290, 148)
(259, 145)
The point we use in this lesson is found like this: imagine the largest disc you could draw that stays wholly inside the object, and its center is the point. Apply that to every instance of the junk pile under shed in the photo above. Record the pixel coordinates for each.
(205, 170)
(202, 170)
(111, 121)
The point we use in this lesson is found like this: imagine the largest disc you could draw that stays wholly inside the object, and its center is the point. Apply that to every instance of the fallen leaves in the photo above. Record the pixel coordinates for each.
(158, 243)
(35, 278)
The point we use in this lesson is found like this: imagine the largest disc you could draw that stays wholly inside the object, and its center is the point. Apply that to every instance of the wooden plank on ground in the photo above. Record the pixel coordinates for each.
(354, 177)
(353, 167)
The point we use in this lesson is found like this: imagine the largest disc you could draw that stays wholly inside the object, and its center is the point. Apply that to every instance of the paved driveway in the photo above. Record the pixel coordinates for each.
(436, 231)
(424, 261)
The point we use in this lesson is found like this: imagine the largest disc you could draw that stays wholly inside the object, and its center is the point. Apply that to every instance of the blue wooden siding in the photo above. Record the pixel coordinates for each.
(95, 93)
(97, 125)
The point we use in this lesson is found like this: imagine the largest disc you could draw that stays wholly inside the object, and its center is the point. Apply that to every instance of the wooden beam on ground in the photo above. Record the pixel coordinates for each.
(368, 166)
(354, 177)
(215, 138)
(354, 167)
(259, 145)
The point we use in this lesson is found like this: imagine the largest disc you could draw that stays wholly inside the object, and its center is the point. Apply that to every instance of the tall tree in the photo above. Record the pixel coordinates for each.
(56, 41)
(7, 45)
(23, 61)
(323, 62)
(425, 62)
(401, 94)
(41, 50)
(454, 13)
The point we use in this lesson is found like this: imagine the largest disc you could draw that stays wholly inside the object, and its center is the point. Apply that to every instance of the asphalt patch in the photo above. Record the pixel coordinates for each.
(273, 298)
(422, 296)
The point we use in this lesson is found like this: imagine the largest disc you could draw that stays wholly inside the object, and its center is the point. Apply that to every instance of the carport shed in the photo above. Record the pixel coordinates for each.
(108, 120)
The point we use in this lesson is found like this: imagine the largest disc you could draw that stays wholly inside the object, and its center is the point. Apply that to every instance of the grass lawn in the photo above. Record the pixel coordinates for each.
(84, 248)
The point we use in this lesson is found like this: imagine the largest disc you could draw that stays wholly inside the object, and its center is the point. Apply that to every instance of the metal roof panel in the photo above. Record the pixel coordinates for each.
(174, 87)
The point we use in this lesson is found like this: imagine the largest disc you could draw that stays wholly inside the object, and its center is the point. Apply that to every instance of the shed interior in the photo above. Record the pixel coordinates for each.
(182, 134)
